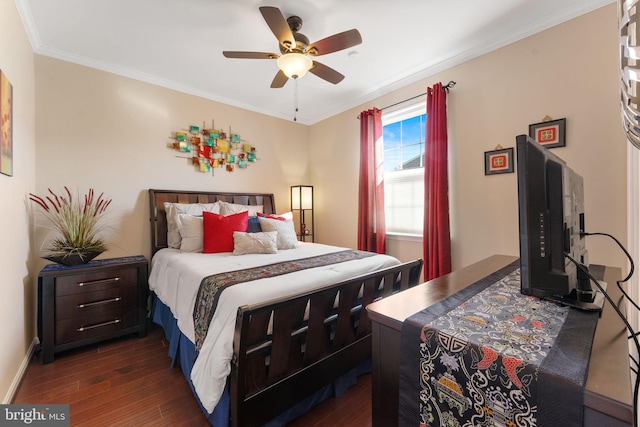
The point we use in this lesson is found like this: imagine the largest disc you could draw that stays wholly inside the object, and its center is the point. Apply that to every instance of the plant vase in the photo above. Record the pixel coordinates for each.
(73, 258)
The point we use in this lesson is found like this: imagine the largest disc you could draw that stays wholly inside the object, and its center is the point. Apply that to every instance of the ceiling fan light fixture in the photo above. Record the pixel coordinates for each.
(294, 65)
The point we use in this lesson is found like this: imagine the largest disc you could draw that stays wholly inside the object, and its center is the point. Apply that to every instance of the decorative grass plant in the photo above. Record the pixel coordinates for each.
(78, 221)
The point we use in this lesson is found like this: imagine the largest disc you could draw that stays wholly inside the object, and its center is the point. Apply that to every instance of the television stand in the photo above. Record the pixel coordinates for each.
(571, 300)
(608, 393)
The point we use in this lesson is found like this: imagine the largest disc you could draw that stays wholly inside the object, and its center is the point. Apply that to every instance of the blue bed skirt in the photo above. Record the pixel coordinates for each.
(183, 353)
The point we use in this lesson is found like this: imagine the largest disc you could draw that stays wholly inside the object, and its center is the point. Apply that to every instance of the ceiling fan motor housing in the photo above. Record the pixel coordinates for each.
(301, 44)
(302, 41)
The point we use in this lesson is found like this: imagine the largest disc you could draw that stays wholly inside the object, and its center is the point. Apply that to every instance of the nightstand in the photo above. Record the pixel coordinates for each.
(87, 303)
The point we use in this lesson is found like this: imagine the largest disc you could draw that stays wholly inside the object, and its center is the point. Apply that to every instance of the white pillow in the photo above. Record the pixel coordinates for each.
(287, 238)
(175, 209)
(191, 232)
(255, 243)
(234, 208)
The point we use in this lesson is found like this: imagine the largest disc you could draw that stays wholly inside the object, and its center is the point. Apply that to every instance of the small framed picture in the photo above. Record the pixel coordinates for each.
(551, 134)
(498, 161)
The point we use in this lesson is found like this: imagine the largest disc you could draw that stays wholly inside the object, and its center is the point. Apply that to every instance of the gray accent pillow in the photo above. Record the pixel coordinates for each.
(255, 243)
(287, 238)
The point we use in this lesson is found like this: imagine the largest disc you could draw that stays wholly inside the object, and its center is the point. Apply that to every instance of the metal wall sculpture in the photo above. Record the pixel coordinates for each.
(213, 148)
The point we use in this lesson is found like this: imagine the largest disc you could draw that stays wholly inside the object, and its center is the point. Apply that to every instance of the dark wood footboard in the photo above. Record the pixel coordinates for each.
(285, 350)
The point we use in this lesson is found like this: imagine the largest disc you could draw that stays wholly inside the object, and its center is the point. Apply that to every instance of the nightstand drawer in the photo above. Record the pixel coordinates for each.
(80, 328)
(95, 281)
(92, 303)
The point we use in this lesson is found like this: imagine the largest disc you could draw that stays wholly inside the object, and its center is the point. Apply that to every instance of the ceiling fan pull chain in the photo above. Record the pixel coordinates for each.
(295, 99)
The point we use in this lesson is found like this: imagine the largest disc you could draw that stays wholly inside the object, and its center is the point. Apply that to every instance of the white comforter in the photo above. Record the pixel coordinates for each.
(175, 278)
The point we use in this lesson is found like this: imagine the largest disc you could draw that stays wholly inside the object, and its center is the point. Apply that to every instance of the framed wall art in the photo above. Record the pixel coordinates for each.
(6, 126)
(498, 161)
(551, 133)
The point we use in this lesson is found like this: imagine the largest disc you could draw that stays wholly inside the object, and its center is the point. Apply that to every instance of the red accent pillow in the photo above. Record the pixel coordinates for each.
(218, 230)
(270, 216)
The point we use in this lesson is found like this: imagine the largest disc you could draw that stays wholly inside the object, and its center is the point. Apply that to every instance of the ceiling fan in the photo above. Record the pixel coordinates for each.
(296, 51)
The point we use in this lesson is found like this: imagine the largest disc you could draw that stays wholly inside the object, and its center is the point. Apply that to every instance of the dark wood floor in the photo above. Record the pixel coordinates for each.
(128, 382)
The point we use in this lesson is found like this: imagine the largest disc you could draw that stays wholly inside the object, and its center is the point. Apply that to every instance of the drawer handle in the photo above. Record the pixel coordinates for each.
(105, 301)
(99, 282)
(86, 328)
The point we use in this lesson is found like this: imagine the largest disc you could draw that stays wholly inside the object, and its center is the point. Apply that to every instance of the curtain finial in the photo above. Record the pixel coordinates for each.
(449, 85)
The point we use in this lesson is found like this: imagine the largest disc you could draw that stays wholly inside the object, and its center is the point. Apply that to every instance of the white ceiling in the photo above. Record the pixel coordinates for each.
(178, 44)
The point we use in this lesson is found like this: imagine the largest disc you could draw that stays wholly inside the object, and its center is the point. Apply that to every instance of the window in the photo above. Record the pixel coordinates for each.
(403, 133)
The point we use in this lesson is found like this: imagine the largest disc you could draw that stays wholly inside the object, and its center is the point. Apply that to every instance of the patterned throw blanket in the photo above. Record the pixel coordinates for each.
(490, 356)
(212, 286)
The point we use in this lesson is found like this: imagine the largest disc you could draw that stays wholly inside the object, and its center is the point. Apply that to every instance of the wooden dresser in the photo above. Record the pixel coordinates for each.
(608, 395)
(84, 304)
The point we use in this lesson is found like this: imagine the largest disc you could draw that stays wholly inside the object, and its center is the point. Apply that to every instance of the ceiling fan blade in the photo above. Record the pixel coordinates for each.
(336, 42)
(249, 55)
(279, 80)
(326, 73)
(278, 24)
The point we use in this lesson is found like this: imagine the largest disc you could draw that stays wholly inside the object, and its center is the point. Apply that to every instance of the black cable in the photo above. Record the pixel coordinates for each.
(633, 358)
(627, 325)
(631, 269)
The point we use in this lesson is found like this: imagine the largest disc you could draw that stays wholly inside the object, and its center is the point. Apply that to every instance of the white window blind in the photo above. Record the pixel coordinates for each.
(404, 201)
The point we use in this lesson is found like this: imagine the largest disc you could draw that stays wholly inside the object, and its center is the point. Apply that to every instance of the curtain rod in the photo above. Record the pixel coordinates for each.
(446, 87)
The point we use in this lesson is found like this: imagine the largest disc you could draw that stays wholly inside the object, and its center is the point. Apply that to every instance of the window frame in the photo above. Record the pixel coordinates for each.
(397, 114)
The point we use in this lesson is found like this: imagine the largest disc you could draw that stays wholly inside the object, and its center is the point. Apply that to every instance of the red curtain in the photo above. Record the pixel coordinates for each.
(371, 226)
(437, 240)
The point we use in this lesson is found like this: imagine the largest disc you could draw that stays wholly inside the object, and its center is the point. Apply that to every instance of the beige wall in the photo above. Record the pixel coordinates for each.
(18, 290)
(567, 71)
(100, 130)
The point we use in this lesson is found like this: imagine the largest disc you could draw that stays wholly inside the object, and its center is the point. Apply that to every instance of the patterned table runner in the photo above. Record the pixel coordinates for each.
(490, 356)
(212, 286)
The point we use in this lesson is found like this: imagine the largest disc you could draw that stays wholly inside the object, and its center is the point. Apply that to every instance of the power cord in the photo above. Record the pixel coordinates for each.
(631, 269)
(626, 323)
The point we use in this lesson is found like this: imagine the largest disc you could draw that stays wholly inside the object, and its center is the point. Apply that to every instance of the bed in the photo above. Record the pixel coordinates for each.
(271, 345)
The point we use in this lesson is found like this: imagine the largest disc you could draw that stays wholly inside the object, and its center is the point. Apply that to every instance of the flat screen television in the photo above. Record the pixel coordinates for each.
(551, 223)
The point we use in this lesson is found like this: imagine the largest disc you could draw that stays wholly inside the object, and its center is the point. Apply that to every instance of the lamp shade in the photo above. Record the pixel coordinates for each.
(294, 65)
(295, 197)
(307, 198)
(302, 197)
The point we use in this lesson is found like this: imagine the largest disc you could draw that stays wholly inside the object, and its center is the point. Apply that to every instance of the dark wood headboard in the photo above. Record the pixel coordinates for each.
(159, 216)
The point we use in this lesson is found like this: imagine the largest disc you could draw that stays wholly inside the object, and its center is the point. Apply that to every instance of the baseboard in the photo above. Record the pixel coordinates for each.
(23, 368)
